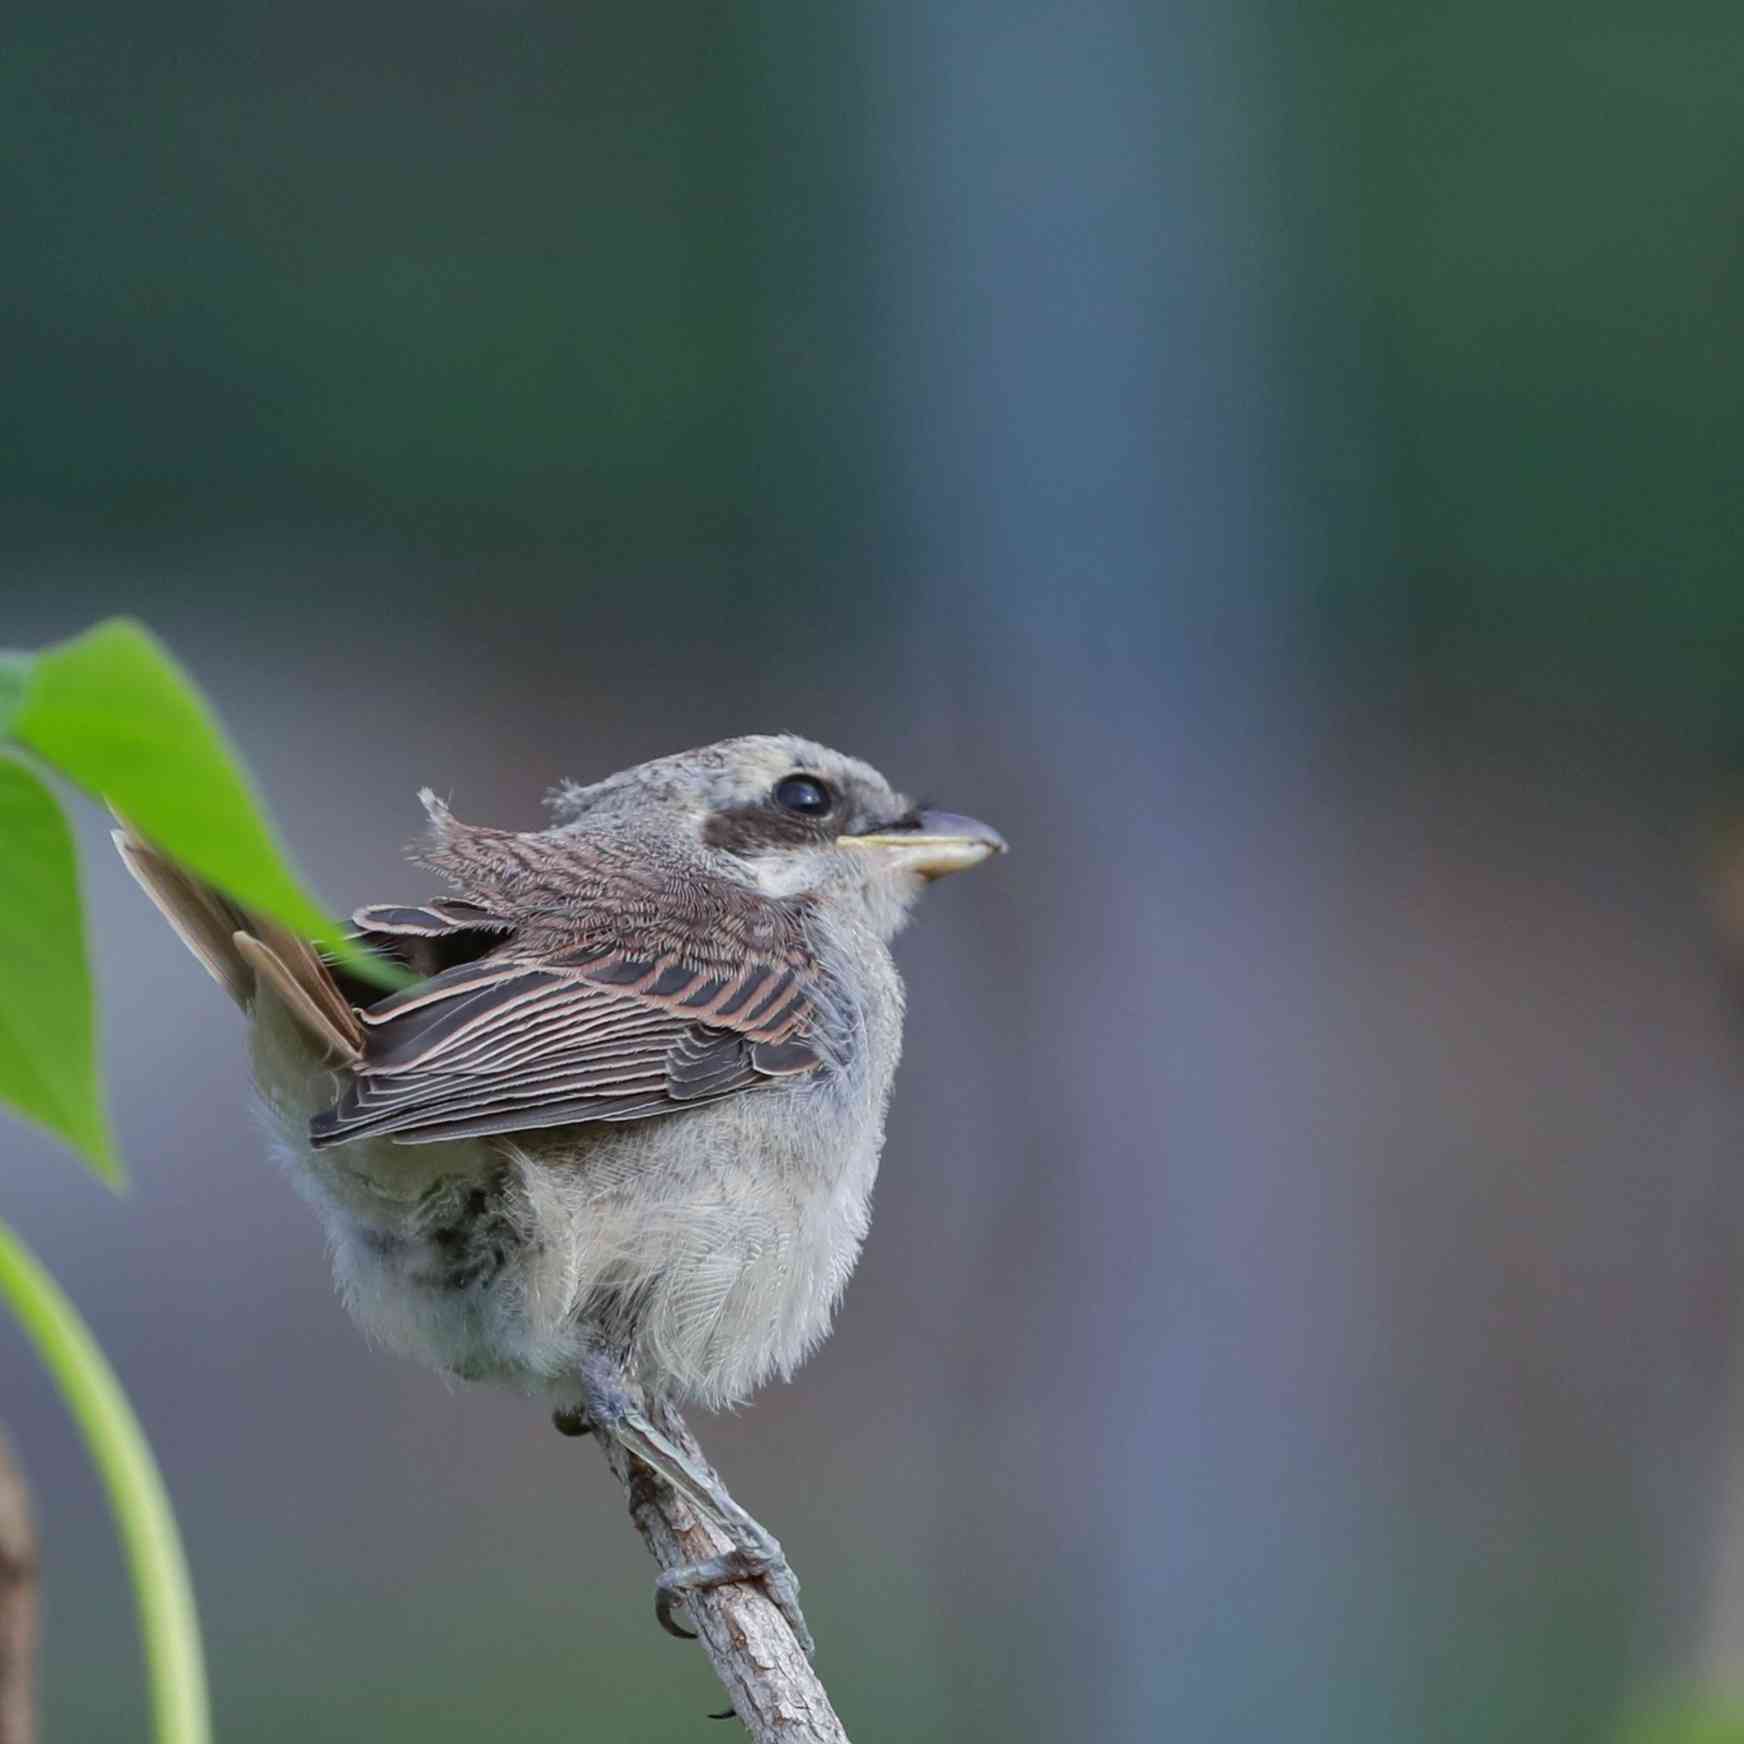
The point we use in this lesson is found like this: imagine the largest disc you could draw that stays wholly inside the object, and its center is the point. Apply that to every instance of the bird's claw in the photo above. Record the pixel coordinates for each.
(667, 1593)
(764, 1563)
(607, 1406)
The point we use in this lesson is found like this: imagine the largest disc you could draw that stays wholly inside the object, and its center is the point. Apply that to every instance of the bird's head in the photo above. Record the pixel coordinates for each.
(787, 817)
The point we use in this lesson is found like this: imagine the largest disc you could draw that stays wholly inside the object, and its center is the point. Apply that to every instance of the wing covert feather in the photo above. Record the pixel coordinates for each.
(601, 1010)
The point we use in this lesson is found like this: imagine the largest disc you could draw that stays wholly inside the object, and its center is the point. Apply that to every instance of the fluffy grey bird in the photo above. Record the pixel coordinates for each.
(618, 1138)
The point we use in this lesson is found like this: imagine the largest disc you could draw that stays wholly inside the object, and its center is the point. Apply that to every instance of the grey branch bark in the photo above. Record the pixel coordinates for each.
(18, 1606)
(771, 1683)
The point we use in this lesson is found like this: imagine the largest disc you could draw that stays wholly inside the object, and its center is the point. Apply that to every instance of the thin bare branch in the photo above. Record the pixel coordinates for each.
(18, 1606)
(771, 1683)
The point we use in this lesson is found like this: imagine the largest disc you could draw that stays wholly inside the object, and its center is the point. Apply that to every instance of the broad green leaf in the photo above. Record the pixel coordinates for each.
(112, 711)
(48, 1056)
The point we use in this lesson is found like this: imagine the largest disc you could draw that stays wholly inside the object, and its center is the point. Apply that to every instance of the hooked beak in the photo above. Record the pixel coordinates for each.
(931, 844)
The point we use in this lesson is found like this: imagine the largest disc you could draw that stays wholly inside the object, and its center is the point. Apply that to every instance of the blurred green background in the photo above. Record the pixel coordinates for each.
(1280, 464)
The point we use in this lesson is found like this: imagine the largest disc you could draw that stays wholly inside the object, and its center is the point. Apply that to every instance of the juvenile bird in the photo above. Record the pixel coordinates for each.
(618, 1137)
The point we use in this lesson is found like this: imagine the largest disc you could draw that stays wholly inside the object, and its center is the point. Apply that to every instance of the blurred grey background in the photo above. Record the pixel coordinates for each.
(1279, 464)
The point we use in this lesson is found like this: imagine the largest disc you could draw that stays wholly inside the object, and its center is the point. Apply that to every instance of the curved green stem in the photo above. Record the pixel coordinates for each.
(174, 1662)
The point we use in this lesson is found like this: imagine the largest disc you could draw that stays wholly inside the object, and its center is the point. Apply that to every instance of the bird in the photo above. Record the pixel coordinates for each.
(614, 1136)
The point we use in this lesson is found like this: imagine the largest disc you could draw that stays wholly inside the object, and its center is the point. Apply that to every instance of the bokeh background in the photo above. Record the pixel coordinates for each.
(1282, 465)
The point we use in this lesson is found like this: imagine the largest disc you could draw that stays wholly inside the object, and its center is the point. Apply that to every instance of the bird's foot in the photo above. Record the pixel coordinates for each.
(763, 1562)
(755, 1554)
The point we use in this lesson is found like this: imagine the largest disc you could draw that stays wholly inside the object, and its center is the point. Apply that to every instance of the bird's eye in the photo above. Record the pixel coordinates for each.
(804, 794)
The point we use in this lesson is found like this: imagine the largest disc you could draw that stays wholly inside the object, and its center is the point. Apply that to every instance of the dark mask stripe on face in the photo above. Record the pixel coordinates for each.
(754, 829)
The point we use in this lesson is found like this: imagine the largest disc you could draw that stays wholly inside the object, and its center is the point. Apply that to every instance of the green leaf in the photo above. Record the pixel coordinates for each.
(48, 1054)
(169, 1627)
(112, 711)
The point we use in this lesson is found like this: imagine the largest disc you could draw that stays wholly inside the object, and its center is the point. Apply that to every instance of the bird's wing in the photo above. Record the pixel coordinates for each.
(596, 1030)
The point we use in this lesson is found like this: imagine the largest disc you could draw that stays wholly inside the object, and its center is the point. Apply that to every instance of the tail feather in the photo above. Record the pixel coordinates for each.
(305, 967)
(243, 952)
(298, 998)
(203, 920)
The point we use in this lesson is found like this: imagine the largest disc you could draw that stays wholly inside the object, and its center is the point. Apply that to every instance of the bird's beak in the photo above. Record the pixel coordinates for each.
(934, 843)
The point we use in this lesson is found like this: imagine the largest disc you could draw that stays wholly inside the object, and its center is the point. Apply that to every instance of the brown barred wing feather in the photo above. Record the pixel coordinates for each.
(432, 936)
(499, 1047)
(713, 999)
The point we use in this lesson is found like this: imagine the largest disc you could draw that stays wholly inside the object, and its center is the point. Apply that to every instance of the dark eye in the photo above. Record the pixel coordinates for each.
(804, 794)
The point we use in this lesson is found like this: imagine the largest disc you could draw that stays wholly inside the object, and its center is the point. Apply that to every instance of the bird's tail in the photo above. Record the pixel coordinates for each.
(245, 952)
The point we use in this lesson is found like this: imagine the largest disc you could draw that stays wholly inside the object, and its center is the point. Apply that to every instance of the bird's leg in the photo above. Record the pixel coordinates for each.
(608, 1408)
